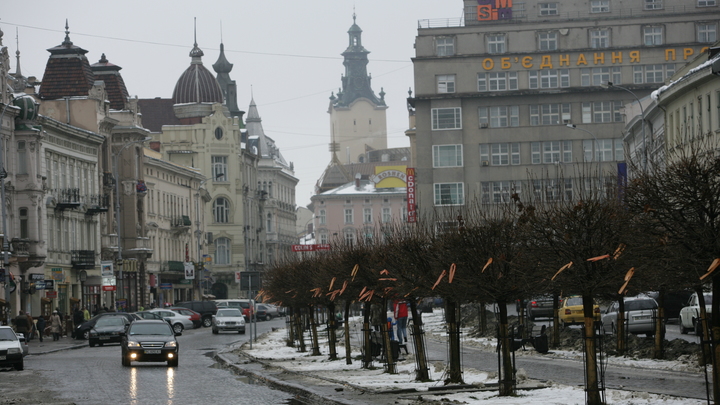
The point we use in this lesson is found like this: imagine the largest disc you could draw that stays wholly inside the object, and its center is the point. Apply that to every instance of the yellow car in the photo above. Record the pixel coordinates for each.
(571, 311)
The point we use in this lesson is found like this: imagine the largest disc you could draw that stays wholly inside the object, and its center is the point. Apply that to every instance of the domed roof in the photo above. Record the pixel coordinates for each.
(197, 84)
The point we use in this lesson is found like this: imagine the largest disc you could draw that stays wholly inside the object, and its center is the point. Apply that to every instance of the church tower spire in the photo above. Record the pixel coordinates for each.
(356, 81)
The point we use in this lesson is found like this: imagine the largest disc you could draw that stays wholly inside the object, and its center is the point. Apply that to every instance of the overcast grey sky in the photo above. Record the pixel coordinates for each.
(288, 52)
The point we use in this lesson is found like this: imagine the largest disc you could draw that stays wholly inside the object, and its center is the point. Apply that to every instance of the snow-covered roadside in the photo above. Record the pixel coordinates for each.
(271, 348)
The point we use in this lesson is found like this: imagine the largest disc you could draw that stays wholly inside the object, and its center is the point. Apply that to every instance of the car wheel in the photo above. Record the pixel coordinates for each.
(697, 327)
(91, 343)
(20, 366)
(215, 331)
(178, 328)
(207, 322)
(86, 335)
(268, 317)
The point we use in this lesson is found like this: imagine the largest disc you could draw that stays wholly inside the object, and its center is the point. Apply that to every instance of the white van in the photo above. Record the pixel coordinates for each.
(243, 304)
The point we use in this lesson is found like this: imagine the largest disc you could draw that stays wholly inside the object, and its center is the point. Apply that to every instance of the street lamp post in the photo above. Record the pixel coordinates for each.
(118, 218)
(642, 120)
(201, 265)
(597, 144)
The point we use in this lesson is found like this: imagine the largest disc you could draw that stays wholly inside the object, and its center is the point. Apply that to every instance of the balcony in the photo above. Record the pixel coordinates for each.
(180, 223)
(97, 204)
(68, 198)
(82, 259)
(20, 247)
(108, 180)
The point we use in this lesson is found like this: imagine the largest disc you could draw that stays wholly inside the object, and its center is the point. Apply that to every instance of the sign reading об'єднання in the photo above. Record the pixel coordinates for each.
(491, 10)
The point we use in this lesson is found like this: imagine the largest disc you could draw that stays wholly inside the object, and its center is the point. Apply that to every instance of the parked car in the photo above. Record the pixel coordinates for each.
(177, 321)
(541, 307)
(571, 311)
(640, 316)
(150, 340)
(108, 329)
(690, 314)
(242, 304)
(206, 309)
(673, 302)
(24, 343)
(195, 317)
(147, 315)
(228, 319)
(271, 311)
(261, 313)
(83, 330)
(11, 351)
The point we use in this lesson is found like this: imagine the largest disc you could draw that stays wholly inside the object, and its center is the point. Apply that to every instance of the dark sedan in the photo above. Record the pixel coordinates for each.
(83, 331)
(108, 329)
(150, 340)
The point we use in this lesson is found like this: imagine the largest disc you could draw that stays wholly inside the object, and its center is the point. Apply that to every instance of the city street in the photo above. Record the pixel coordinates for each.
(95, 375)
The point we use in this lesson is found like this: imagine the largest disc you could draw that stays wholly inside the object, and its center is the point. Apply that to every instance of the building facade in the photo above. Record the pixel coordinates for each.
(525, 96)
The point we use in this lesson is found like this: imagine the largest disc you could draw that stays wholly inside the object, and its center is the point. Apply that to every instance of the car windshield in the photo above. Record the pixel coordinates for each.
(110, 321)
(151, 329)
(7, 334)
(573, 301)
(228, 312)
(638, 305)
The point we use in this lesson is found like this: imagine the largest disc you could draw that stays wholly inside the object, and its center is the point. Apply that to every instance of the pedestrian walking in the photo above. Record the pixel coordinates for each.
(377, 316)
(22, 324)
(86, 314)
(41, 327)
(401, 315)
(56, 325)
(78, 319)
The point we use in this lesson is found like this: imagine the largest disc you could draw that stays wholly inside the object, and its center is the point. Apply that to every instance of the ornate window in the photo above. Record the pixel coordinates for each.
(221, 210)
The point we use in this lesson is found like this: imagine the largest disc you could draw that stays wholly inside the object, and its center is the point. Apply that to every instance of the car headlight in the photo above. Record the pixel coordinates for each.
(171, 344)
(93, 333)
(133, 344)
(220, 323)
(14, 350)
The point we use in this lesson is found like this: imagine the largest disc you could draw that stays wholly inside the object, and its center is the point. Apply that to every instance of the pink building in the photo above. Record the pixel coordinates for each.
(361, 208)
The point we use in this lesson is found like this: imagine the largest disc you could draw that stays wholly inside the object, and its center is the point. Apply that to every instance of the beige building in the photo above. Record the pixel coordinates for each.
(515, 96)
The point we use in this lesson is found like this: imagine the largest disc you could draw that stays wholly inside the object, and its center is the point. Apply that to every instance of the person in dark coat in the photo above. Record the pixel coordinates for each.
(41, 327)
(78, 319)
(22, 324)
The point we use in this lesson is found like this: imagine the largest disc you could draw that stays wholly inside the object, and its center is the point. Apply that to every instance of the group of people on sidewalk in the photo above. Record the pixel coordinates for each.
(399, 319)
(25, 324)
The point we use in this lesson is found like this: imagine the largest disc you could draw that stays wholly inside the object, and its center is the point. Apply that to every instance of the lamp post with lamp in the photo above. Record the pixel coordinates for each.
(597, 144)
(118, 217)
(642, 120)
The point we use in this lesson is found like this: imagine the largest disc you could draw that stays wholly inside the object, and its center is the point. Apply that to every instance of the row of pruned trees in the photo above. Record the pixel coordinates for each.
(658, 232)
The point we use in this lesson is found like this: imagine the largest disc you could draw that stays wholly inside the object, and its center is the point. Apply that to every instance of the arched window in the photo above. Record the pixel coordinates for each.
(222, 251)
(221, 210)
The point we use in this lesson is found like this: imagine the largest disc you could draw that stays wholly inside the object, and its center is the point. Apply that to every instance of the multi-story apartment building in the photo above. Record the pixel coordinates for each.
(276, 177)
(521, 96)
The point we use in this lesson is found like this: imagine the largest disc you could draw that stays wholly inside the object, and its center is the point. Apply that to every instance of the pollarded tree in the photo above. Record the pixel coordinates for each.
(683, 199)
(586, 236)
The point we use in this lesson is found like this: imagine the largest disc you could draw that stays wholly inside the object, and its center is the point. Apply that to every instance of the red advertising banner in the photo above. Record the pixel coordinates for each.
(108, 288)
(50, 294)
(411, 190)
(322, 247)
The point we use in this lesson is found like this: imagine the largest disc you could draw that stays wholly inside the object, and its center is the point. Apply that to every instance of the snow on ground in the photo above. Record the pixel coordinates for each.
(272, 348)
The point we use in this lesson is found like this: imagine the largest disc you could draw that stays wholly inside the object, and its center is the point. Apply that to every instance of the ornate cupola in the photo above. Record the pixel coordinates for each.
(114, 83)
(196, 89)
(229, 88)
(356, 81)
(67, 72)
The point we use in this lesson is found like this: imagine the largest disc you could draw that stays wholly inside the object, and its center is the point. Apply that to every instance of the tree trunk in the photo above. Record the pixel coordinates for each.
(299, 330)
(455, 374)
(367, 354)
(332, 327)
(715, 323)
(620, 325)
(556, 321)
(348, 349)
(659, 349)
(384, 329)
(421, 371)
(702, 325)
(314, 331)
(291, 326)
(592, 386)
(507, 373)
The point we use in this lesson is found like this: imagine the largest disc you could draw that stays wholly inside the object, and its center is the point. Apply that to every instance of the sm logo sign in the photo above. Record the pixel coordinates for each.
(491, 10)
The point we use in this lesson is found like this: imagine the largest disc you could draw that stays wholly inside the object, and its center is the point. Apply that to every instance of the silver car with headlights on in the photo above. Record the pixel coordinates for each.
(228, 319)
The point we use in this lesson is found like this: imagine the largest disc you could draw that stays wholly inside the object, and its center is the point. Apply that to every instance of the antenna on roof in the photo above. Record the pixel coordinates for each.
(195, 29)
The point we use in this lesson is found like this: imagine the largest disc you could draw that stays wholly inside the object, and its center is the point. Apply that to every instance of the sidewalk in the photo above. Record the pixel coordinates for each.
(37, 347)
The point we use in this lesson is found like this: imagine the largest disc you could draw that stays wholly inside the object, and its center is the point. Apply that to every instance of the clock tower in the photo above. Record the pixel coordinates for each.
(357, 116)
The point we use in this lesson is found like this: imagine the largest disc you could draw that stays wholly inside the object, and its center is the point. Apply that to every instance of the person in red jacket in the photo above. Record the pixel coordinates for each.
(401, 315)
